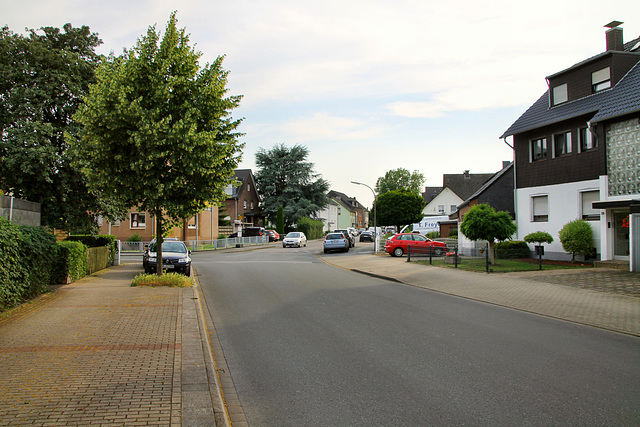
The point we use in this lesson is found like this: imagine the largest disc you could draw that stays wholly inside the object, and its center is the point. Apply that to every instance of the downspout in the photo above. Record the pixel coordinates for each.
(515, 187)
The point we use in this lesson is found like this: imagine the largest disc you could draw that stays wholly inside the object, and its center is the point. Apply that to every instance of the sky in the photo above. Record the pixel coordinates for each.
(367, 86)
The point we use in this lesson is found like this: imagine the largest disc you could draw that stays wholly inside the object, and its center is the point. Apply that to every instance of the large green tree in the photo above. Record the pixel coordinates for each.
(284, 178)
(400, 179)
(482, 222)
(399, 207)
(43, 77)
(158, 132)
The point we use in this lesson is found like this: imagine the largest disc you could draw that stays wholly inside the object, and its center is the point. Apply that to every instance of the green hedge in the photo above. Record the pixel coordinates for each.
(97, 241)
(27, 264)
(32, 260)
(312, 228)
(72, 261)
(510, 249)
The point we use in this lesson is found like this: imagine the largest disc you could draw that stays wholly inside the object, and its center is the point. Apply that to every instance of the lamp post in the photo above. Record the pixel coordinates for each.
(375, 228)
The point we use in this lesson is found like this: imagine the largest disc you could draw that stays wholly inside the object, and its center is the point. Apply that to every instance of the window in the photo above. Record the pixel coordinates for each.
(540, 208)
(252, 205)
(560, 94)
(454, 208)
(601, 80)
(137, 220)
(587, 141)
(191, 224)
(588, 212)
(538, 149)
(244, 204)
(248, 187)
(441, 209)
(561, 144)
(99, 220)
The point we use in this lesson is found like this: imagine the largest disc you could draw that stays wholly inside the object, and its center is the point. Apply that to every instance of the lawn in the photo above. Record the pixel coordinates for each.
(505, 265)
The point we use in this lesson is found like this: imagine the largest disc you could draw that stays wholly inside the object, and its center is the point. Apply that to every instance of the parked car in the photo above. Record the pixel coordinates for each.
(253, 231)
(366, 236)
(352, 239)
(294, 239)
(175, 257)
(336, 241)
(397, 245)
(273, 235)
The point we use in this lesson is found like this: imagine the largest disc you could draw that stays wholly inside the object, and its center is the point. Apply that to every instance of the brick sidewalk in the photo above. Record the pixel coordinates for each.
(95, 352)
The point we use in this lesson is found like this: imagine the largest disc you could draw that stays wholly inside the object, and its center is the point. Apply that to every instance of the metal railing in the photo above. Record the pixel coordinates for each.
(203, 245)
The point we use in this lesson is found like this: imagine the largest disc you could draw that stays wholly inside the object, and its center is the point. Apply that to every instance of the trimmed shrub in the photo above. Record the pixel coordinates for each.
(510, 249)
(27, 263)
(312, 228)
(135, 237)
(97, 241)
(433, 235)
(453, 232)
(577, 238)
(538, 237)
(72, 261)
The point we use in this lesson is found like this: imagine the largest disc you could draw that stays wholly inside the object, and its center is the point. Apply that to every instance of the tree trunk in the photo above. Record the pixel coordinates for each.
(159, 244)
(492, 253)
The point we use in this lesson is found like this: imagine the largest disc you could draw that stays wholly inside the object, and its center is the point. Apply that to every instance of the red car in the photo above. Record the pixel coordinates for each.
(397, 245)
(273, 235)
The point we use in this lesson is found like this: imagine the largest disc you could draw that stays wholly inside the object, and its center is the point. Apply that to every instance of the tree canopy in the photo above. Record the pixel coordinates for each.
(43, 77)
(399, 207)
(285, 178)
(400, 179)
(482, 222)
(157, 133)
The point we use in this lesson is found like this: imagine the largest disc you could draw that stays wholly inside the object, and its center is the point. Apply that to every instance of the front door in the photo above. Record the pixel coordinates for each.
(621, 235)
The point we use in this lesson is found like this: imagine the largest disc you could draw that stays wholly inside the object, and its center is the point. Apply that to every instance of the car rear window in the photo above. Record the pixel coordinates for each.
(335, 236)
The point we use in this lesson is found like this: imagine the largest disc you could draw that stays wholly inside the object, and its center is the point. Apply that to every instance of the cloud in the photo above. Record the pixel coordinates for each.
(325, 127)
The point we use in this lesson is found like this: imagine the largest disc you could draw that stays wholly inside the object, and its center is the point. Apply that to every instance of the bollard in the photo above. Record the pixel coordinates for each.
(408, 253)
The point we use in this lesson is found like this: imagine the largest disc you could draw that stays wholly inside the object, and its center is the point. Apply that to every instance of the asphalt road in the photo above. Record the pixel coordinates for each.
(310, 344)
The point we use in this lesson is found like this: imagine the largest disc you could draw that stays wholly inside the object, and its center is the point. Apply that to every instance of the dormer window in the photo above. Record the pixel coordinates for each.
(560, 94)
(601, 80)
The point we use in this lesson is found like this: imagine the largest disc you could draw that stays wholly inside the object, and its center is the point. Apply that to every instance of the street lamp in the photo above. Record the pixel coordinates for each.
(375, 228)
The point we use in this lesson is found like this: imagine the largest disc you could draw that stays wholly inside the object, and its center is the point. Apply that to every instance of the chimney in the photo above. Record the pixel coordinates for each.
(505, 163)
(614, 36)
(466, 174)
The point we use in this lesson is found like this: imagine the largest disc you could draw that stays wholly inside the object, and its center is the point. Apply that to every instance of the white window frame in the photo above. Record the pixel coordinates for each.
(587, 212)
(543, 149)
(567, 145)
(441, 209)
(540, 208)
(601, 79)
(560, 94)
(590, 143)
(134, 220)
(244, 204)
(454, 208)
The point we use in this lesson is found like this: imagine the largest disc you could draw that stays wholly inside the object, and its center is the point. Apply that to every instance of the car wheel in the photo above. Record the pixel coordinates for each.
(398, 252)
(438, 252)
(326, 251)
(187, 271)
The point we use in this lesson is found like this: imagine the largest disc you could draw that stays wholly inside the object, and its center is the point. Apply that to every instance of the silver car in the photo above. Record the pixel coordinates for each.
(294, 239)
(336, 241)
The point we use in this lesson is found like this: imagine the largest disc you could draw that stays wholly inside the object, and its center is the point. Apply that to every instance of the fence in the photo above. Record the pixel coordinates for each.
(20, 211)
(193, 245)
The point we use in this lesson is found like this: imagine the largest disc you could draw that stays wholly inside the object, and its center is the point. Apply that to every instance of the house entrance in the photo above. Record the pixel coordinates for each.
(621, 235)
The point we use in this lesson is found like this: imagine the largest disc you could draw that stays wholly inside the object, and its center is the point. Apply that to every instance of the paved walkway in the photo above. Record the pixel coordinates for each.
(99, 352)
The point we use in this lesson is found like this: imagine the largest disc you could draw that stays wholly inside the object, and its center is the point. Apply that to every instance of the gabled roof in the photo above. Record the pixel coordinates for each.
(623, 98)
(431, 193)
(486, 185)
(243, 176)
(349, 202)
(465, 185)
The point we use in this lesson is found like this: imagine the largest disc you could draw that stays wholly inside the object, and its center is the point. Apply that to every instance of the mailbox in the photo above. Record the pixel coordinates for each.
(539, 250)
